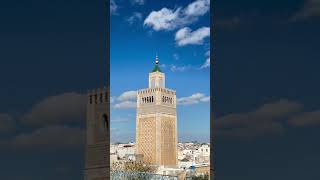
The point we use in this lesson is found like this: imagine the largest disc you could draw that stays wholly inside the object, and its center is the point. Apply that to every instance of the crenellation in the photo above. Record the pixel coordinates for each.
(98, 96)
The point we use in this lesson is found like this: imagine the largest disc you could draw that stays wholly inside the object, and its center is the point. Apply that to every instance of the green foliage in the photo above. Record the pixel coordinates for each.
(138, 167)
(201, 177)
(133, 167)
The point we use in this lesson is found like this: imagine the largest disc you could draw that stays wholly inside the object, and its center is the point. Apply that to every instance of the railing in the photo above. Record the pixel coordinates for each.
(123, 175)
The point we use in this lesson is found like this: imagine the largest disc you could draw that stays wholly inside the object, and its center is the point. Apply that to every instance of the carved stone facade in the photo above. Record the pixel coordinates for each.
(156, 122)
(97, 165)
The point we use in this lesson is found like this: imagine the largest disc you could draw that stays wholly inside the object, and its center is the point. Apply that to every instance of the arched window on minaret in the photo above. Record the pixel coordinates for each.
(105, 121)
(152, 98)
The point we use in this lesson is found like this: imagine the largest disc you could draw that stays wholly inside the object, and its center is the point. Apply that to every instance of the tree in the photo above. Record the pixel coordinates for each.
(139, 167)
(133, 167)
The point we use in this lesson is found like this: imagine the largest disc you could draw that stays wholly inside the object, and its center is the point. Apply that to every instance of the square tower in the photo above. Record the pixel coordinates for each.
(156, 122)
(97, 165)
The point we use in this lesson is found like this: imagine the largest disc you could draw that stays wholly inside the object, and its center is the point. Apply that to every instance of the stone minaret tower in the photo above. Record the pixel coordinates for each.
(156, 123)
(97, 165)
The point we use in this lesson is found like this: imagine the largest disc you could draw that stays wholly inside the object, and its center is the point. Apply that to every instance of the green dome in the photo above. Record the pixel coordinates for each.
(156, 68)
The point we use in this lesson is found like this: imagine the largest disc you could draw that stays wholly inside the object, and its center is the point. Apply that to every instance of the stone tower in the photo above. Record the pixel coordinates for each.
(156, 121)
(97, 165)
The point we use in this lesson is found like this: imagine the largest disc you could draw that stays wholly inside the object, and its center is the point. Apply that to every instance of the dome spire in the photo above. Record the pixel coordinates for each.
(156, 66)
(157, 60)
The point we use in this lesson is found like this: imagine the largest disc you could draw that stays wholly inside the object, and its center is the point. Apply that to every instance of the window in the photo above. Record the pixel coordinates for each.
(105, 121)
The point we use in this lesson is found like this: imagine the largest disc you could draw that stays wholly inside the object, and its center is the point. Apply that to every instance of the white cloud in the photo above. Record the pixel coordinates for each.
(126, 100)
(125, 105)
(193, 99)
(175, 68)
(169, 19)
(198, 8)
(136, 16)
(185, 36)
(59, 109)
(205, 99)
(207, 62)
(138, 2)
(128, 95)
(112, 100)
(113, 7)
(164, 19)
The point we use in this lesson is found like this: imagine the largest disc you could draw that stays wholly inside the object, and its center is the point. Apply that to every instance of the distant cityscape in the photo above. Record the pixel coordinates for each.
(193, 158)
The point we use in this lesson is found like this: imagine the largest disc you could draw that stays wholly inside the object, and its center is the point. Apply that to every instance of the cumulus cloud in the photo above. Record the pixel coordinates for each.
(164, 19)
(207, 62)
(126, 100)
(193, 99)
(113, 7)
(185, 36)
(311, 8)
(128, 95)
(266, 119)
(51, 137)
(169, 19)
(7, 124)
(59, 109)
(197, 8)
(136, 17)
(125, 105)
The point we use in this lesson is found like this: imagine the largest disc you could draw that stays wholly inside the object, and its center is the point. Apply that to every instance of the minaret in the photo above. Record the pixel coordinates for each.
(156, 121)
(97, 153)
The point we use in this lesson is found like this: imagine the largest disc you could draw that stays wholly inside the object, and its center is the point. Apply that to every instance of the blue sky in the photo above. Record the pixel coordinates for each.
(179, 32)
